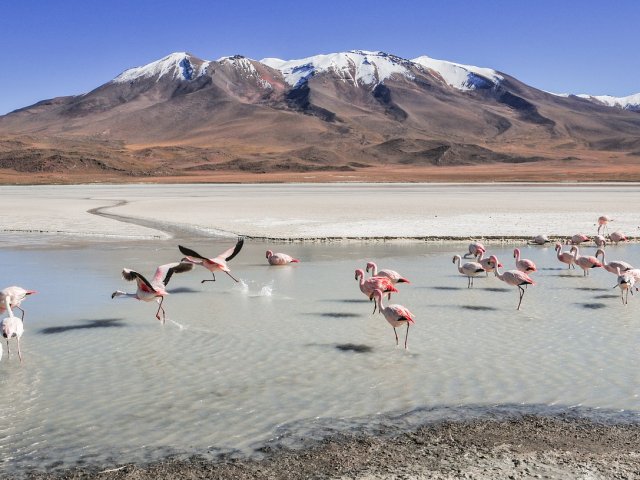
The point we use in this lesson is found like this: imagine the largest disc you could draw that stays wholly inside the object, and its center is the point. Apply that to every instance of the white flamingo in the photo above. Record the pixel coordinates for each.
(12, 327)
(615, 265)
(625, 282)
(469, 269)
(15, 296)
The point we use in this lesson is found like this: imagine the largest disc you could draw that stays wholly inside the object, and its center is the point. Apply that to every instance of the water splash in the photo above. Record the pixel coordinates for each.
(254, 290)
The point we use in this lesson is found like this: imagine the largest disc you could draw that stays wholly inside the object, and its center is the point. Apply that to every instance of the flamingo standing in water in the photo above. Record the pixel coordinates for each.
(585, 262)
(618, 236)
(12, 297)
(615, 265)
(475, 249)
(487, 264)
(602, 223)
(396, 315)
(155, 289)
(213, 264)
(625, 282)
(369, 285)
(523, 264)
(11, 327)
(515, 278)
(600, 241)
(470, 269)
(392, 275)
(280, 258)
(565, 257)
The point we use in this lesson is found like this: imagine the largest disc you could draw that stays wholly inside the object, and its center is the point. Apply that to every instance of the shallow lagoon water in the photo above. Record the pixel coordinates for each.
(238, 364)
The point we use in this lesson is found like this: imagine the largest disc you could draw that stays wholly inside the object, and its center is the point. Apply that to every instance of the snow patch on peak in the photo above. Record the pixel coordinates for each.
(177, 65)
(630, 102)
(459, 76)
(245, 65)
(359, 67)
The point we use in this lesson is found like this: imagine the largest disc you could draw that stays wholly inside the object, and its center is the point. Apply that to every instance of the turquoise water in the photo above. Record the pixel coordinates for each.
(235, 364)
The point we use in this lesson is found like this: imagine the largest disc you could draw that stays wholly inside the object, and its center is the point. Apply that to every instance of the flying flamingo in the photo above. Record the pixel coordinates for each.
(577, 239)
(625, 282)
(392, 275)
(585, 262)
(396, 315)
(487, 264)
(614, 265)
(367, 286)
(280, 258)
(600, 241)
(523, 264)
(15, 296)
(149, 291)
(470, 269)
(565, 257)
(475, 249)
(213, 264)
(618, 236)
(602, 223)
(515, 278)
(12, 327)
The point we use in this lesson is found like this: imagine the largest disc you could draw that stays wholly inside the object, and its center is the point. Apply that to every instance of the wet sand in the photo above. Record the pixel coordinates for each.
(518, 448)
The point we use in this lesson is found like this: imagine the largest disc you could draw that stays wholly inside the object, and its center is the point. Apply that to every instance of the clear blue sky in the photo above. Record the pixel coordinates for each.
(67, 47)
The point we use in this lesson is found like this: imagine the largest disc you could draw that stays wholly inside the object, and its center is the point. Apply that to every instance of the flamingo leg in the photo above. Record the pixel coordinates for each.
(375, 304)
(521, 295)
(8, 349)
(19, 352)
(160, 308)
(396, 334)
(232, 277)
(214, 278)
(406, 337)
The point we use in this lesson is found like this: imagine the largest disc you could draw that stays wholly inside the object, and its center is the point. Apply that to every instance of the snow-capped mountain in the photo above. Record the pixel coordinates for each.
(347, 110)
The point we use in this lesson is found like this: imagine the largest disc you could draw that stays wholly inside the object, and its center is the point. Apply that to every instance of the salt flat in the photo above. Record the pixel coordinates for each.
(292, 211)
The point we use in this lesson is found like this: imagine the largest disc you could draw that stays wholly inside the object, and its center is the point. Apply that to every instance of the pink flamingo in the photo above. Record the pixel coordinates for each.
(280, 258)
(396, 315)
(617, 237)
(565, 257)
(577, 239)
(487, 264)
(625, 282)
(470, 269)
(12, 297)
(367, 286)
(615, 265)
(585, 262)
(155, 290)
(475, 249)
(602, 223)
(515, 278)
(213, 264)
(523, 264)
(12, 327)
(392, 275)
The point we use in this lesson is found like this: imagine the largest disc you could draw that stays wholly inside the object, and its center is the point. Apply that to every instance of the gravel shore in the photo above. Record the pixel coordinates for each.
(530, 446)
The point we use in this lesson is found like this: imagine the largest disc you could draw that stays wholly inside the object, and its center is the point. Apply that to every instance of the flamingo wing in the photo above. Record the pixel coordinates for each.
(165, 272)
(402, 313)
(142, 282)
(232, 252)
(191, 253)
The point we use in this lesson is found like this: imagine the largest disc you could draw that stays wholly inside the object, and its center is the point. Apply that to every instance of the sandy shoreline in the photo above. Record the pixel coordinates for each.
(314, 212)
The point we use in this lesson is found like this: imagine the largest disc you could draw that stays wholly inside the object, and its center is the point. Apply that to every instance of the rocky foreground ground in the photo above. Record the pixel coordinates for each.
(526, 447)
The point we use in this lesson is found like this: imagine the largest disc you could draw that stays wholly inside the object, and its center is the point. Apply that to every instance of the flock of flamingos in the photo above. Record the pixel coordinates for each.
(380, 282)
